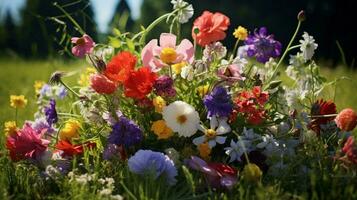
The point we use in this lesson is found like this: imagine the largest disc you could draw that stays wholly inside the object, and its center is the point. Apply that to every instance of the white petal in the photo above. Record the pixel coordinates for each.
(213, 122)
(212, 143)
(220, 139)
(201, 128)
(223, 127)
(199, 140)
(262, 145)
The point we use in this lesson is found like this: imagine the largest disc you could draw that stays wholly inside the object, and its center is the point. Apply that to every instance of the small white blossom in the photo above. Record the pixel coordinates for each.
(187, 72)
(296, 60)
(237, 149)
(269, 144)
(185, 10)
(308, 46)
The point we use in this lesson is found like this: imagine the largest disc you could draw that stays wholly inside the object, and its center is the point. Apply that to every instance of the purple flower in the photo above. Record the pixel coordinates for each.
(218, 102)
(61, 92)
(262, 46)
(146, 162)
(41, 124)
(218, 175)
(51, 113)
(164, 86)
(83, 45)
(112, 151)
(125, 132)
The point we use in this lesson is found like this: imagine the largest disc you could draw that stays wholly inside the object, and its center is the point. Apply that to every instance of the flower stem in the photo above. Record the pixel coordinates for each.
(234, 49)
(70, 89)
(16, 114)
(70, 18)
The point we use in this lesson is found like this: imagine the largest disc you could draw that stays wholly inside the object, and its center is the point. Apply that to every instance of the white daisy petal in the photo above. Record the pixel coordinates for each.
(212, 143)
(220, 139)
(199, 140)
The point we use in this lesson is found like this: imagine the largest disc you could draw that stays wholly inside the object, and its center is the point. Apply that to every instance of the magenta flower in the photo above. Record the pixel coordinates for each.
(83, 45)
(167, 53)
(26, 144)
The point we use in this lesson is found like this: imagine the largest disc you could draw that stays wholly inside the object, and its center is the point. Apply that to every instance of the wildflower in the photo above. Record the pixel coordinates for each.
(178, 67)
(51, 113)
(211, 28)
(167, 53)
(139, 83)
(102, 84)
(321, 107)
(10, 128)
(346, 120)
(185, 10)
(108, 116)
(68, 149)
(120, 66)
(187, 72)
(237, 149)
(213, 51)
(159, 103)
(160, 129)
(83, 45)
(350, 149)
(308, 46)
(56, 78)
(26, 144)
(204, 150)
(164, 86)
(84, 78)
(202, 90)
(147, 162)
(218, 175)
(301, 16)
(112, 151)
(40, 125)
(231, 73)
(18, 101)
(218, 127)
(262, 46)
(252, 173)
(38, 86)
(240, 33)
(218, 102)
(70, 129)
(125, 132)
(269, 144)
(182, 118)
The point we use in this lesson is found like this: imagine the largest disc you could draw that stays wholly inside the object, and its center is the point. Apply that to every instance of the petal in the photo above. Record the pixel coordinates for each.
(185, 48)
(147, 52)
(223, 127)
(199, 140)
(168, 40)
(212, 143)
(220, 139)
(201, 128)
(213, 122)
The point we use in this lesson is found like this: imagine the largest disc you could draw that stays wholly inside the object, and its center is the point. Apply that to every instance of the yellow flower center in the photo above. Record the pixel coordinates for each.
(204, 150)
(168, 55)
(210, 133)
(181, 119)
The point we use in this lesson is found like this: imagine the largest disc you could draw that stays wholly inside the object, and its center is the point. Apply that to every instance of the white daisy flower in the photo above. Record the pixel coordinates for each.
(218, 126)
(185, 10)
(182, 118)
(308, 46)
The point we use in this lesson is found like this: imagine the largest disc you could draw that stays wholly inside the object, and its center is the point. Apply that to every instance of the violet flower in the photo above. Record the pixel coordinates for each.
(125, 132)
(218, 102)
(51, 113)
(164, 86)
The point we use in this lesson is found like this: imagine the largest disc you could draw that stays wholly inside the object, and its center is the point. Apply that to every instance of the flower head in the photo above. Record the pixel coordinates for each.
(164, 86)
(214, 50)
(167, 53)
(182, 118)
(202, 90)
(231, 73)
(185, 10)
(51, 113)
(68, 149)
(350, 149)
(211, 28)
(125, 132)
(160, 129)
(84, 78)
(218, 102)
(346, 120)
(41, 125)
(157, 164)
(204, 150)
(262, 46)
(10, 128)
(38, 86)
(70, 129)
(240, 33)
(159, 104)
(139, 83)
(308, 46)
(321, 107)
(83, 45)
(252, 172)
(18, 101)
(102, 84)
(26, 144)
(120, 66)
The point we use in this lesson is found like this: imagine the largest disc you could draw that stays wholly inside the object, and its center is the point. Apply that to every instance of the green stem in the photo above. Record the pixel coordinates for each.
(286, 51)
(294, 47)
(70, 18)
(16, 114)
(70, 89)
(235, 49)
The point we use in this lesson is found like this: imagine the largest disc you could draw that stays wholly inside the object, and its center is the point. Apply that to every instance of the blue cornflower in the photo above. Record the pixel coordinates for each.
(154, 163)
(218, 102)
(125, 132)
(262, 46)
(51, 113)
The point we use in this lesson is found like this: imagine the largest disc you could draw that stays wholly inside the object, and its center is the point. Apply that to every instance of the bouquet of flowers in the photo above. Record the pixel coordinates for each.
(172, 108)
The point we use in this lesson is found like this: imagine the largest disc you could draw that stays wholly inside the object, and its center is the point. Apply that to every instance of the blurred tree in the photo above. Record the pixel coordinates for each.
(43, 25)
(122, 19)
(8, 34)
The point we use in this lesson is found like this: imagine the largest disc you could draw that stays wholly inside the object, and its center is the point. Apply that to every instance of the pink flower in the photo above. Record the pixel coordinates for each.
(346, 120)
(26, 144)
(167, 53)
(102, 84)
(83, 45)
(231, 74)
(350, 149)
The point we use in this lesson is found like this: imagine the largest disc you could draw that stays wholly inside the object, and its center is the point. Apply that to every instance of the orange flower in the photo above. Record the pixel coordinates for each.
(139, 83)
(102, 84)
(211, 27)
(120, 66)
(346, 120)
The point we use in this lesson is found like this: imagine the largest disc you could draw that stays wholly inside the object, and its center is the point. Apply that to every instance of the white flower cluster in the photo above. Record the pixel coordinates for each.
(185, 10)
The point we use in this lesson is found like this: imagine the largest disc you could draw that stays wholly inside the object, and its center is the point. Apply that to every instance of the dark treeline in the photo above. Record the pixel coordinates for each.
(327, 20)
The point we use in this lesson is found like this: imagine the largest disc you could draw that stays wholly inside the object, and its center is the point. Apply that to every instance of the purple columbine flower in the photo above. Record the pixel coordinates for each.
(164, 86)
(146, 162)
(218, 102)
(51, 113)
(262, 46)
(125, 132)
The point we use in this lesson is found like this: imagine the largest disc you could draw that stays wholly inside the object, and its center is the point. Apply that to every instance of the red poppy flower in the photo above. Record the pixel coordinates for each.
(119, 68)
(139, 83)
(69, 149)
(102, 84)
(321, 107)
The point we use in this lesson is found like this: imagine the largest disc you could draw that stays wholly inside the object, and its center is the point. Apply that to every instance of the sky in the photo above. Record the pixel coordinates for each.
(103, 10)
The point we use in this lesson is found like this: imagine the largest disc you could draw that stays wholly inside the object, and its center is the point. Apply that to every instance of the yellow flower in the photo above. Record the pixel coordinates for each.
(178, 66)
(161, 130)
(202, 90)
(18, 101)
(240, 33)
(159, 104)
(38, 86)
(252, 173)
(70, 129)
(204, 150)
(84, 78)
(10, 127)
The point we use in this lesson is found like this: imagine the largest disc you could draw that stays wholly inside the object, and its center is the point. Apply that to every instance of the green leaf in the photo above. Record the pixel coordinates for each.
(116, 32)
(114, 42)
(130, 44)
